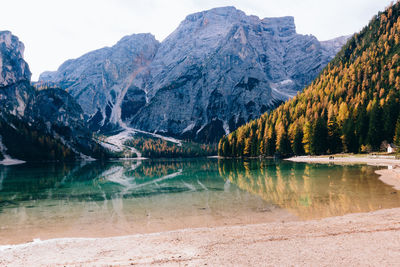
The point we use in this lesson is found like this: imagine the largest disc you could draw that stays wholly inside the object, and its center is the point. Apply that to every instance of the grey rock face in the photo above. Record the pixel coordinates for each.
(15, 90)
(56, 107)
(333, 46)
(217, 70)
(221, 68)
(99, 80)
(52, 113)
(58, 113)
(13, 68)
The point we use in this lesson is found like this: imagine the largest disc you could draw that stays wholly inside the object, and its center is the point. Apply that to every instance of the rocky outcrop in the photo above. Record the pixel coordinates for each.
(62, 117)
(13, 67)
(37, 125)
(219, 69)
(56, 107)
(15, 89)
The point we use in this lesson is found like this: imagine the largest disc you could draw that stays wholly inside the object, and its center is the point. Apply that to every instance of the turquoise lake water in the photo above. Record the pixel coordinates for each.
(95, 199)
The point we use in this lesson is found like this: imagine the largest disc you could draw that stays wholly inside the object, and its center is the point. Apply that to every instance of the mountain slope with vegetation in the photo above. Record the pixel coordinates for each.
(353, 106)
(37, 125)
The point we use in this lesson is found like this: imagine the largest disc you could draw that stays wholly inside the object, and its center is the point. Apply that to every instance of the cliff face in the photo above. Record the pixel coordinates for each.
(100, 79)
(37, 125)
(13, 68)
(15, 90)
(219, 69)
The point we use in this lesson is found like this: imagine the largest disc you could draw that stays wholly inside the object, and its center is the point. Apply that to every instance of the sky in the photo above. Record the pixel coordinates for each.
(57, 30)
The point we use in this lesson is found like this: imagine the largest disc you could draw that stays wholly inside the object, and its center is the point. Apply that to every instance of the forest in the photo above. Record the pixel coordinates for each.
(159, 148)
(353, 105)
(30, 143)
(27, 143)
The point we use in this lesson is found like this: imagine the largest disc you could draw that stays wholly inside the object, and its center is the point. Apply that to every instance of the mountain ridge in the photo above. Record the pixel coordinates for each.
(209, 50)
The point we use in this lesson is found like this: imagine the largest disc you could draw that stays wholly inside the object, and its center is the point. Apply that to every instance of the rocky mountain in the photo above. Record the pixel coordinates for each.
(219, 69)
(353, 106)
(98, 80)
(37, 125)
(13, 68)
(14, 75)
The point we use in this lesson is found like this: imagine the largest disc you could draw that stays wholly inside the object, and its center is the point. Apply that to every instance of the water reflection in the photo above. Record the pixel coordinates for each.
(122, 197)
(99, 181)
(126, 197)
(312, 190)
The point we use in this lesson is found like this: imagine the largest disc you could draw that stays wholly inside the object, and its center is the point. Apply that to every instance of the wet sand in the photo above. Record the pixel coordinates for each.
(371, 239)
(390, 177)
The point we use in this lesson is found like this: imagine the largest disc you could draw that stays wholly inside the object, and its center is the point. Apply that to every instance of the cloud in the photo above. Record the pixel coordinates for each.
(54, 31)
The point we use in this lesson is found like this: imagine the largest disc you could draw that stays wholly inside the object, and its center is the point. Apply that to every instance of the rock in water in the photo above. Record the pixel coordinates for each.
(219, 69)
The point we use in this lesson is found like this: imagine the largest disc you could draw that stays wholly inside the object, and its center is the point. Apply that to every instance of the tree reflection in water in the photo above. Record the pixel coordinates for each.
(312, 191)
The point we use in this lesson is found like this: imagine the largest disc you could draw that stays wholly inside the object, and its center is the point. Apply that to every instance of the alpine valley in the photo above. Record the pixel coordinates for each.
(233, 141)
(218, 70)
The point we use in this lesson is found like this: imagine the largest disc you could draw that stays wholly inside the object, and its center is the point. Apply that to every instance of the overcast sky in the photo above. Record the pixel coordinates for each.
(56, 30)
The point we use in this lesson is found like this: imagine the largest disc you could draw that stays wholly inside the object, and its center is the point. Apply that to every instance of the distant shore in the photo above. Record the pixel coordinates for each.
(369, 239)
(390, 176)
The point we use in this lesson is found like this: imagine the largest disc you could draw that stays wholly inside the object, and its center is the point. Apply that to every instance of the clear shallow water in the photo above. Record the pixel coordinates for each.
(128, 197)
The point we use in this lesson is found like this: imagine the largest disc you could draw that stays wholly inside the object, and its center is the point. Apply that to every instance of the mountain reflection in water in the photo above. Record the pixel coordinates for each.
(96, 199)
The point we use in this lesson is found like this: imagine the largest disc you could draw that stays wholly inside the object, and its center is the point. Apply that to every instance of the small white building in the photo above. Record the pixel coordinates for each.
(391, 148)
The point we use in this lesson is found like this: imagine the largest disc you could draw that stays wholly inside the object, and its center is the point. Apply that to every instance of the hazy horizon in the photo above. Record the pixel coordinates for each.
(55, 31)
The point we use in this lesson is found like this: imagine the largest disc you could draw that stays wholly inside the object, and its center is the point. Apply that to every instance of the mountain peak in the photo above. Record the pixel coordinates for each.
(137, 37)
(222, 12)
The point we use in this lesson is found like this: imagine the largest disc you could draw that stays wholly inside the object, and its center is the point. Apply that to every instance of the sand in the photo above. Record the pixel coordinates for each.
(368, 239)
(376, 161)
(357, 239)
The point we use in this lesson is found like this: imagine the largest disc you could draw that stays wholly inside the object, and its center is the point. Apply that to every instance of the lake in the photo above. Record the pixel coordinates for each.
(101, 199)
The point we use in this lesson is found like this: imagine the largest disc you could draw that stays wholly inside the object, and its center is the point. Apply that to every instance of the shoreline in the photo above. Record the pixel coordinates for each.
(390, 176)
(370, 238)
(355, 239)
(373, 160)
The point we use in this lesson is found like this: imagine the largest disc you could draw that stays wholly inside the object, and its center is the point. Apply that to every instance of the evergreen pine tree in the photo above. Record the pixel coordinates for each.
(349, 139)
(390, 114)
(334, 141)
(397, 133)
(319, 137)
(298, 148)
(271, 147)
(361, 127)
(284, 145)
(375, 128)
